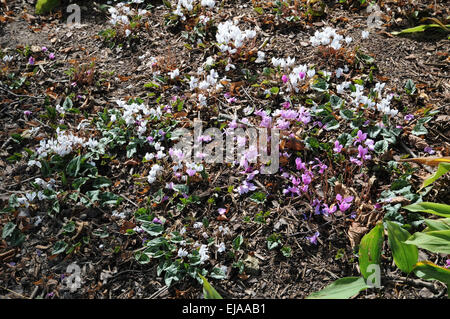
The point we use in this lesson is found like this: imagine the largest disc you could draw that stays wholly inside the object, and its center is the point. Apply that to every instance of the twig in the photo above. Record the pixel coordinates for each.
(157, 293)
(16, 293)
(20, 95)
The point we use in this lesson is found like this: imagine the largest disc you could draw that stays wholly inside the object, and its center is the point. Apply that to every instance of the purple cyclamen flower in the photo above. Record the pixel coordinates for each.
(362, 152)
(360, 137)
(370, 144)
(429, 150)
(51, 56)
(44, 49)
(157, 220)
(306, 178)
(313, 238)
(447, 263)
(27, 113)
(329, 210)
(191, 172)
(409, 117)
(222, 211)
(286, 105)
(337, 147)
(245, 188)
(300, 165)
(31, 61)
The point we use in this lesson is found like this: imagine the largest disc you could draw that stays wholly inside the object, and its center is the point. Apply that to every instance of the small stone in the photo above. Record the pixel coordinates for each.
(251, 265)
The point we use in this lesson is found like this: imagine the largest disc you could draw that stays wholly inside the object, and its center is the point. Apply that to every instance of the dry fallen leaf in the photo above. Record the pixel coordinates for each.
(355, 233)
(430, 161)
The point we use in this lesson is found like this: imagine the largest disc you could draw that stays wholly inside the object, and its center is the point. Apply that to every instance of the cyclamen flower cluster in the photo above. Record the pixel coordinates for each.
(189, 6)
(296, 74)
(63, 145)
(138, 114)
(155, 171)
(383, 105)
(121, 13)
(230, 37)
(328, 36)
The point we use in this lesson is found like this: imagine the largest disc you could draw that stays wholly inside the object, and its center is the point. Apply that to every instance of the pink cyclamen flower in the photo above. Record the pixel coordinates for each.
(337, 147)
(44, 49)
(302, 75)
(157, 220)
(31, 61)
(284, 78)
(222, 211)
(447, 263)
(27, 113)
(344, 203)
(51, 56)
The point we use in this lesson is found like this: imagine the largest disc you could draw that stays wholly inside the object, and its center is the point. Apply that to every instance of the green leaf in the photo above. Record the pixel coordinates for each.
(59, 247)
(100, 182)
(420, 28)
(346, 114)
(410, 87)
(8, 229)
(74, 166)
(370, 249)
(405, 255)
(443, 169)
(419, 129)
(218, 273)
(258, 197)
(44, 6)
(237, 242)
(208, 291)
(429, 271)
(343, 288)
(274, 90)
(437, 241)
(439, 224)
(381, 147)
(431, 208)
(68, 104)
(153, 229)
(336, 102)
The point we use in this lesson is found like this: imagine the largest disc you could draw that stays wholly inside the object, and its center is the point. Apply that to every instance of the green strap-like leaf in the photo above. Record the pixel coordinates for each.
(431, 208)
(208, 291)
(443, 169)
(370, 249)
(405, 255)
(343, 288)
(435, 241)
(437, 224)
(429, 271)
